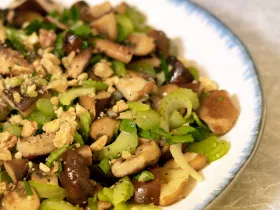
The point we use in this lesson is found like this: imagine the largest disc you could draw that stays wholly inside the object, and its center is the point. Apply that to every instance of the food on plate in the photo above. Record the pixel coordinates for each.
(96, 112)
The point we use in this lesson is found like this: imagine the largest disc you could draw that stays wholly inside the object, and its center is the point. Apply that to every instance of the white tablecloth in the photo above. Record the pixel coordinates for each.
(257, 23)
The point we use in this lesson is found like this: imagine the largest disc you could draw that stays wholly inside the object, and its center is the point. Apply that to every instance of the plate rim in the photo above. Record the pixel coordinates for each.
(253, 71)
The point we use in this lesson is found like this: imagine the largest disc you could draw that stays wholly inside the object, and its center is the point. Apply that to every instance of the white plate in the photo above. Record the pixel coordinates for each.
(222, 57)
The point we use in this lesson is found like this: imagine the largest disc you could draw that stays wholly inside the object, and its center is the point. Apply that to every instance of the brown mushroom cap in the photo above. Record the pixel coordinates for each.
(103, 126)
(148, 192)
(99, 10)
(84, 11)
(16, 168)
(114, 50)
(85, 151)
(26, 102)
(71, 43)
(161, 40)
(88, 102)
(103, 100)
(75, 177)
(218, 112)
(79, 63)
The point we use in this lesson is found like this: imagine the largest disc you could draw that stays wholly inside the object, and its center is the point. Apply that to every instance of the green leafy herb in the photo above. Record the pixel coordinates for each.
(16, 37)
(27, 188)
(164, 67)
(82, 30)
(70, 16)
(78, 139)
(58, 46)
(36, 25)
(56, 154)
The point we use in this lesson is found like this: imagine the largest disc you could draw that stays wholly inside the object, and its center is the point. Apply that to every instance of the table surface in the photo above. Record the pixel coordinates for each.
(256, 22)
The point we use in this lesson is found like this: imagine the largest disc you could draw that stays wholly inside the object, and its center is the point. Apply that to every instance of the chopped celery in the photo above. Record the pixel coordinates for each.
(45, 106)
(126, 141)
(142, 207)
(67, 97)
(219, 151)
(128, 126)
(39, 117)
(122, 191)
(58, 49)
(149, 119)
(55, 155)
(119, 68)
(126, 25)
(105, 165)
(85, 122)
(121, 206)
(94, 84)
(27, 188)
(181, 139)
(204, 146)
(12, 128)
(148, 134)
(182, 130)
(144, 176)
(176, 120)
(180, 98)
(78, 139)
(56, 204)
(93, 202)
(129, 115)
(138, 106)
(142, 66)
(137, 18)
(13, 82)
(121, 33)
(105, 194)
(194, 72)
(16, 37)
(4, 177)
(164, 67)
(48, 190)
(198, 121)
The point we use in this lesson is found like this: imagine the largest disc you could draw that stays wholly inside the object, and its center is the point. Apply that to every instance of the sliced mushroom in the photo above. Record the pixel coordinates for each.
(88, 102)
(147, 154)
(4, 109)
(18, 199)
(107, 26)
(161, 40)
(9, 57)
(121, 8)
(195, 87)
(141, 44)
(71, 43)
(25, 102)
(54, 21)
(134, 88)
(85, 151)
(34, 146)
(103, 126)
(99, 10)
(84, 11)
(75, 177)
(174, 179)
(16, 168)
(148, 192)
(180, 74)
(103, 100)
(166, 89)
(218, 112)
(113, 50)
(43, 177)
(42, 6)
(79, 63)
(25, 16)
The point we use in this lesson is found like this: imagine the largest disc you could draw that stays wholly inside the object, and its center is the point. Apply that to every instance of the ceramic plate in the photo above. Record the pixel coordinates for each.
(221, 56)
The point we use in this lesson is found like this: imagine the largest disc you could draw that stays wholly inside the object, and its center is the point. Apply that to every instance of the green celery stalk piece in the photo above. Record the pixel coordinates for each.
(149, 119)
(203, 147)
(67, 97)
(56, 204)
(48, 190)
(176, 120)
(219, 151)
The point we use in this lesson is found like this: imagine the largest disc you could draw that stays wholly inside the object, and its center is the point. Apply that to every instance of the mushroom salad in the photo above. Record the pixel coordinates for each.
(98, 112)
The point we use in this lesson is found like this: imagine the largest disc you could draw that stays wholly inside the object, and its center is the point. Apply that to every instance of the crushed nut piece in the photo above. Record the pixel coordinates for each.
(31, 40)
(16, 97)
(103, 69)
(82, 76)
(120, 106)
(3, 187)
(47, 38)
(207, 84)
(126, 155)
(5, 154)
(65, 135)
(51, 63)
(44, 168)
(54, 100)
(7, 140)
(18, 155)
(16, 119)
(99, 144)
(80, 110)
(29, 128)
(66, 61)
(52, 126)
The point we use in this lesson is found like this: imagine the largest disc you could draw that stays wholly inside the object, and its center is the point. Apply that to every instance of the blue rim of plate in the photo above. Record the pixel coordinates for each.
(232, 41)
